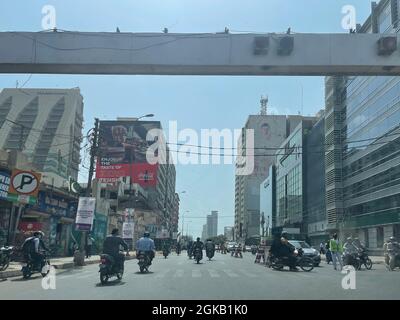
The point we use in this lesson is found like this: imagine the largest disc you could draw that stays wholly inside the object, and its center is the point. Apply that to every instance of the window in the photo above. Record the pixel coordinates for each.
(113, 195)
(379, 237)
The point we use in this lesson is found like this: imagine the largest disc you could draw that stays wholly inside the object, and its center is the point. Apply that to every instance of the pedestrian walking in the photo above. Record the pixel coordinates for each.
(336, 251)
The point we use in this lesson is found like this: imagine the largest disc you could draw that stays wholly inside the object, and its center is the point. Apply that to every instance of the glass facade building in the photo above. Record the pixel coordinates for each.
(290, 179)
(362, 159)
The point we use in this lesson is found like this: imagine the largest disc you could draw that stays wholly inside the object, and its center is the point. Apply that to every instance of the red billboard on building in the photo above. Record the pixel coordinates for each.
(122, 152)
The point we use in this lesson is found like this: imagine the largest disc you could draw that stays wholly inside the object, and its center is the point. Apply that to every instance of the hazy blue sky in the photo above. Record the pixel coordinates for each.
(195, 102)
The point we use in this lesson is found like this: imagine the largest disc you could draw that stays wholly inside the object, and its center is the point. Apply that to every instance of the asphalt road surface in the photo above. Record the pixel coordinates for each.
(225, 277)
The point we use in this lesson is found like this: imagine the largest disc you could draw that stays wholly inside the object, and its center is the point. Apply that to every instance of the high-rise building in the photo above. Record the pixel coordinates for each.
(362, 138)
(291, 170)
(46, 125)
(315, 209)
(147, 187)
(228, 233)
(269, 132)
(212, 224)
(204, 234)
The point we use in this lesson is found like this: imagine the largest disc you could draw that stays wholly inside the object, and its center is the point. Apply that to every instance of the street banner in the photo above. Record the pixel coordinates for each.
(85, 213)
(128, 230)
(4, 184)
(24, 186)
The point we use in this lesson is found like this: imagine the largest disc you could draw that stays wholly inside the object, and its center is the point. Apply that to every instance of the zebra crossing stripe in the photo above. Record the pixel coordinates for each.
(231, 274)
(179, 273)
(196, 274)
(162, 274)
(213, 273)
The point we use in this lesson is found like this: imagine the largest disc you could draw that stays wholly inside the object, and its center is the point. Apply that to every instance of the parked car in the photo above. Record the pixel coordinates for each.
(308, 251)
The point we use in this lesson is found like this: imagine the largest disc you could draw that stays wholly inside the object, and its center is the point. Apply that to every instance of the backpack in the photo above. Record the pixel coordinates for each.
(29, 245)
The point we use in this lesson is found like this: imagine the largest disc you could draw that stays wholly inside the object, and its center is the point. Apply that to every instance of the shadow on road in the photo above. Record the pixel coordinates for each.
(113, 283)
(31, 278)
(143, 273)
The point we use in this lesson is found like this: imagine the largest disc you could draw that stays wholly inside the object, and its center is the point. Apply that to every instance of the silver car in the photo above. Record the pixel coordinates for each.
(308, 250)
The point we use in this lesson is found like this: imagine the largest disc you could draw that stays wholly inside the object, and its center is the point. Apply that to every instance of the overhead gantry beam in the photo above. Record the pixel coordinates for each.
(197, 54)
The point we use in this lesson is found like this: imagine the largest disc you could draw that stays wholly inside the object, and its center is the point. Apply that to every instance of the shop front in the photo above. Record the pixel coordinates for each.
(54, 215)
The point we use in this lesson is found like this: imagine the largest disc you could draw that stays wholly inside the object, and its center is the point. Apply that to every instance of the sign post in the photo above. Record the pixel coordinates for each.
(85, 213)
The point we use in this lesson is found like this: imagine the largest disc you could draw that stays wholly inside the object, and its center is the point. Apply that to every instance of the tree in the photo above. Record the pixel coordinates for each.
(220, 239)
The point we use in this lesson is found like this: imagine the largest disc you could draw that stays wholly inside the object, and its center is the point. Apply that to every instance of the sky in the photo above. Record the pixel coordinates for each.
(196, 102)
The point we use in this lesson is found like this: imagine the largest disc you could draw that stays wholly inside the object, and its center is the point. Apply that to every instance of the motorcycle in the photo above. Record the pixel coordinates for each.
(178, 251)
(5, 257)
(197, 255)
(396, 262)
(30, 267)
(165, 253)
(254, 250)
(302, 261)
(352, 259)
(109, 268)
(237, 253)
(364, 259)
(210, 254)
(144, 262)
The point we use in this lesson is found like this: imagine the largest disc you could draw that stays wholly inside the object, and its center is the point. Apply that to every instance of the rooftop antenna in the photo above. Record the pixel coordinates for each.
(264, 103)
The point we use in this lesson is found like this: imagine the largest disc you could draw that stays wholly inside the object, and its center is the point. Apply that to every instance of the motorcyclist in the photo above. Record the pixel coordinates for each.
(357, 243)
(349, 250)
(281, 248)
(210, 247)
(146, 246)
(198, 245)
(238, 251)
(391, 249)
(111, 246)
(32, 249)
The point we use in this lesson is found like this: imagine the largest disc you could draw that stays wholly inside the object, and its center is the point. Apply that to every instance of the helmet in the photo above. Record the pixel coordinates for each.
(146, 234)
(198, 239)
(114, 231)
(349, 238)
(392, 239)
(284, 234)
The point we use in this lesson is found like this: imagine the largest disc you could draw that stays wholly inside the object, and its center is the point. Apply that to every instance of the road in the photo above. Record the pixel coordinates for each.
(223, 278)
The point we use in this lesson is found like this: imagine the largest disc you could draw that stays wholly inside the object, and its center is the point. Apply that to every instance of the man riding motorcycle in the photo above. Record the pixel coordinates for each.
(350, 250)
(111, 246)
(391, 249)
(31, 249)
(210, 247)
(281, 248)
(198, 245)
(146, 246)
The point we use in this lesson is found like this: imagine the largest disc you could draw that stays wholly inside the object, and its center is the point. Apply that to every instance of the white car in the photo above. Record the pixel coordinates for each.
(230, 246)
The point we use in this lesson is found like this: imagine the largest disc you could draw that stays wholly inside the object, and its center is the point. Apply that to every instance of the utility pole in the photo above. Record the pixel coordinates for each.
(80, 259)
